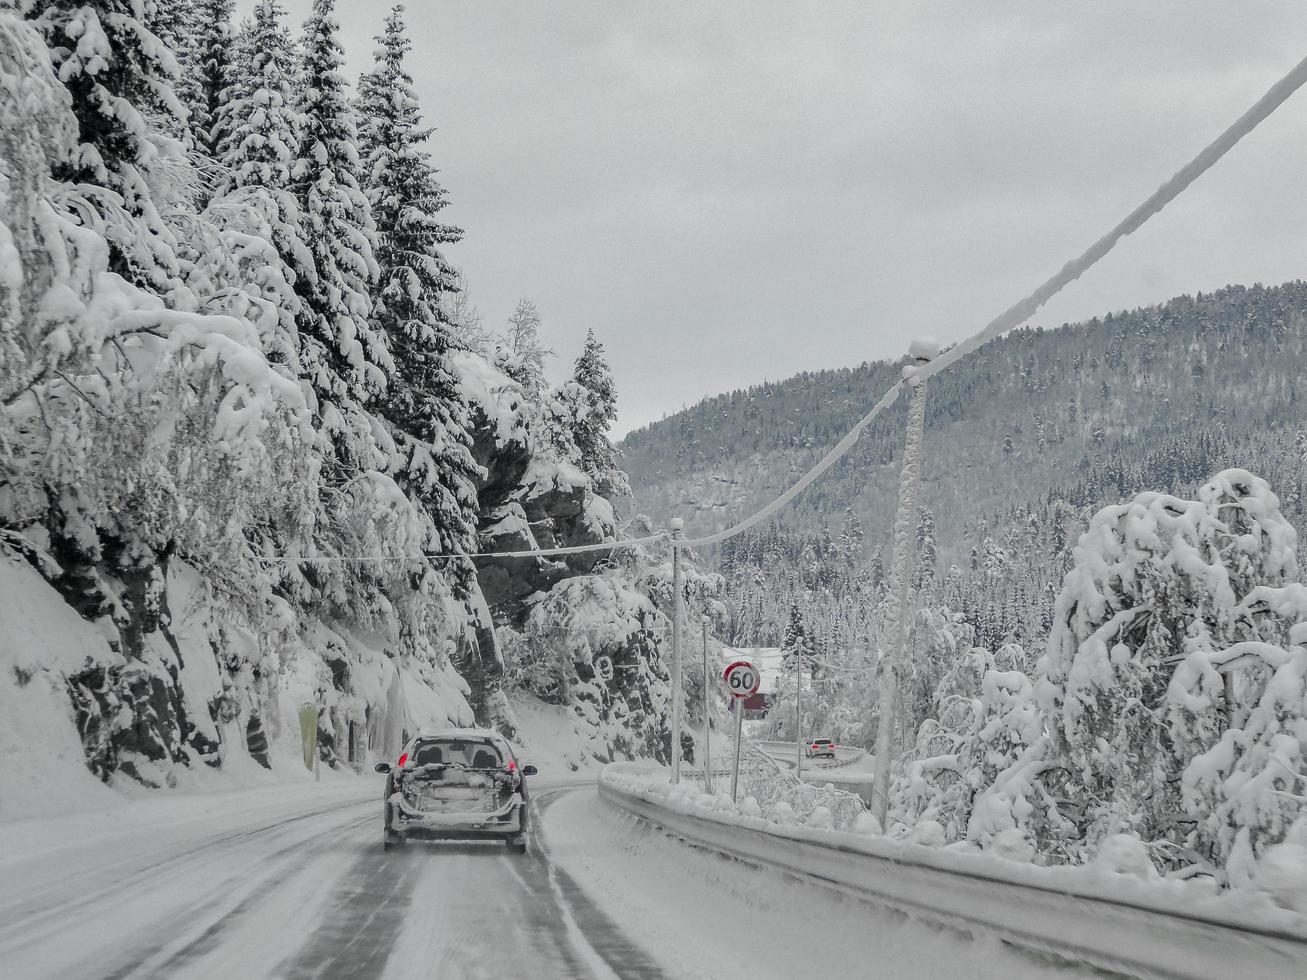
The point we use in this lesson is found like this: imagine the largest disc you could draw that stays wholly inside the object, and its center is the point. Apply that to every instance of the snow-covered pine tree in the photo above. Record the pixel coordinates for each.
(350, 362)
(424, 408)
(598, 458)
(121, 79)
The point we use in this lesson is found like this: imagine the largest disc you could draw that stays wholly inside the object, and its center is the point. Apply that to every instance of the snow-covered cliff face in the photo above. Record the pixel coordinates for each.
(163, 675)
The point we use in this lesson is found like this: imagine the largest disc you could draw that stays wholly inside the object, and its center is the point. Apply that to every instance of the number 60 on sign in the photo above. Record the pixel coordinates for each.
(742, 679)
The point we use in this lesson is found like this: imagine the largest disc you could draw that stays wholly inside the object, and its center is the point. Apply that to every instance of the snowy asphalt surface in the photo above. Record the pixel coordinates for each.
(298, 886)
(312, 895)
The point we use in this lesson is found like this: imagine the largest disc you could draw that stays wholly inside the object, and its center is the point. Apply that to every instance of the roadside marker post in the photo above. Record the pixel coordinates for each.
(309, 736)
(742, 681)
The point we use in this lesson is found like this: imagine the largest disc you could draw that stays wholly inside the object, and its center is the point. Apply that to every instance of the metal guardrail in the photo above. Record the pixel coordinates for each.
(1149, 936)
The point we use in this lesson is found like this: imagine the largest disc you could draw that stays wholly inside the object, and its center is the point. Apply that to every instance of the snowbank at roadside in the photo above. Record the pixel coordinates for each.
(1107, 879)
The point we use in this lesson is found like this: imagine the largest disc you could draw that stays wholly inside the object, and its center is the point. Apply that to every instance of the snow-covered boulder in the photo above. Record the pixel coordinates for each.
(1012, 845)
(820, 818)
(782, 813)
(1282, 869)
(929, 833)
(1125, 854)
(866, 824)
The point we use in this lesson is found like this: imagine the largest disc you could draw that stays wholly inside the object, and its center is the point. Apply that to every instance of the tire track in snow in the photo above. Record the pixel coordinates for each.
(220, 931)
(358, 930)
(24, 912)
(588, 922)
(133, 926)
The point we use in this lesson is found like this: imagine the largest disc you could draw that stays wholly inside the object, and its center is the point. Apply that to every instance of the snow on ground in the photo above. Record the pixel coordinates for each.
(42, 766)
(708, 916)
(549, 738)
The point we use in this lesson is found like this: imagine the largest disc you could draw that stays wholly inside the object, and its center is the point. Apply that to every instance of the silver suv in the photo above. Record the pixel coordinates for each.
(456, 784)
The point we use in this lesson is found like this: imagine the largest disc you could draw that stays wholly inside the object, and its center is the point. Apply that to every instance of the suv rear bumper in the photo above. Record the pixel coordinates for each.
(507, 821)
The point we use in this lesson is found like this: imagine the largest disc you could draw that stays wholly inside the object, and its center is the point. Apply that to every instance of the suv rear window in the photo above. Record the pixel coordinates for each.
(475, 753)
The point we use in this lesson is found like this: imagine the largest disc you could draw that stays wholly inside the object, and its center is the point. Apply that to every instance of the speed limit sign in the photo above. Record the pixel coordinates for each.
(742, 679)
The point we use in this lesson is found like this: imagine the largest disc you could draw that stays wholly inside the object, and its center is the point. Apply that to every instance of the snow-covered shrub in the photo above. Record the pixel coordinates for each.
(978, 766)
(1153, 581)
(1246, 791)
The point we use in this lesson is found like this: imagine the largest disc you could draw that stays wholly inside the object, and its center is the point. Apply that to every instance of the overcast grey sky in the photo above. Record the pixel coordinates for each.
(729, 192)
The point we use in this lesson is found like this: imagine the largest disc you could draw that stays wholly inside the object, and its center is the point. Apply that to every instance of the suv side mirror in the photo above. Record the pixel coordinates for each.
(382, 767)
(529, 770)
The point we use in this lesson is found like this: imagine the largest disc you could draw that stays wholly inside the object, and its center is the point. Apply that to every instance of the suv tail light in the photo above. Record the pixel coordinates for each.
(402, 759)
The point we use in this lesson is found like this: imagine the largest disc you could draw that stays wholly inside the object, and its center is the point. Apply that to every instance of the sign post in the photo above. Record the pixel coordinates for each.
(707, 716)
(742, 681)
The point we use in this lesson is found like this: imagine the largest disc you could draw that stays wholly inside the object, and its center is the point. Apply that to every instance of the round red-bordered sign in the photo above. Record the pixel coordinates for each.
(742, 679)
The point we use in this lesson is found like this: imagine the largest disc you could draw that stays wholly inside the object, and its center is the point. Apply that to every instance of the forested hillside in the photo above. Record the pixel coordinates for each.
(1024, 441)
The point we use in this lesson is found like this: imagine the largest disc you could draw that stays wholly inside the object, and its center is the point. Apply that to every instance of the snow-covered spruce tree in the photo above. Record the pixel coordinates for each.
(121, 81)
(1153, 581)
(598, 458)
(423, 407)
(350, 361)
(176, 24)
(796, 652)
(558, 417)
(257, 132)
(215, 37)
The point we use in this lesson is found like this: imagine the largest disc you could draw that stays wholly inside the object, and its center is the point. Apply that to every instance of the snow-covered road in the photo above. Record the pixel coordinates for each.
(292, 882)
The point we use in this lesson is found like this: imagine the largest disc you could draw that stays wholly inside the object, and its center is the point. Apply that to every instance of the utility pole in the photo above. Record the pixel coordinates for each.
(893, 658)
(676, 525)
(798, 711)
(707, 715)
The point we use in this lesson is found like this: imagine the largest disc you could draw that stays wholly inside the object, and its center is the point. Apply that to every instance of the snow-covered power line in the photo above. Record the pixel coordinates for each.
(530, 553)
(1011, 318)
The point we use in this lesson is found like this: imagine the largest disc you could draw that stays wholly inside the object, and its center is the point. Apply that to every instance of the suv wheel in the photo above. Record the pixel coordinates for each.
(517, 844)
(390, 841)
